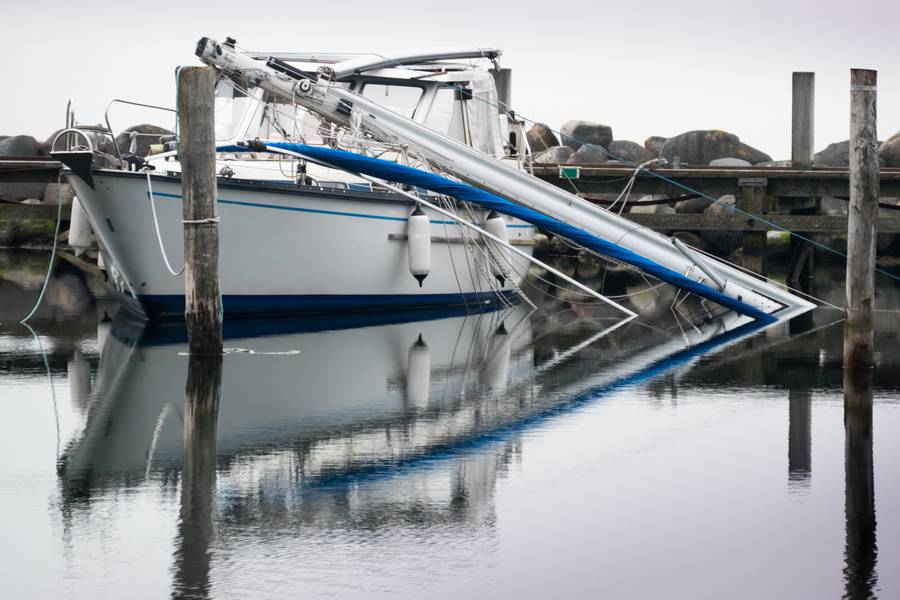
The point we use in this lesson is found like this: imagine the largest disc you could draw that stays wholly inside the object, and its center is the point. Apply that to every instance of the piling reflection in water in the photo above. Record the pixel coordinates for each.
(799, 438)
(196, 529)
(861, 550)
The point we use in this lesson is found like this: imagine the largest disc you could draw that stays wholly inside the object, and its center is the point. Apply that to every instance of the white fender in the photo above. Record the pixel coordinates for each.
(418, 235)
(418, 374)
(496, 366)
(80, 232)
(496, 225)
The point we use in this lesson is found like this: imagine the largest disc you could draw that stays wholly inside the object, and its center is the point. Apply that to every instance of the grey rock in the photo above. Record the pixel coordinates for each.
(589, 154)
(654, 144)
(889, 151)
(774, 163)
(691, 239)
(702, 146)
(576, 133)
(729, 162)
(16, 192)
(638, 208)
(555, 155)
(144, 136)
(837, 155)
(694, 206)
(20, 145)
(540, 137)
(53, 192)
(721, 242)
(834, 207)
(834, 155)
(628, 151)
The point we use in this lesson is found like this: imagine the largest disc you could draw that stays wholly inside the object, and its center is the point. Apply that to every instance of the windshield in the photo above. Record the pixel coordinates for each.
(401, 99)
(446, 114)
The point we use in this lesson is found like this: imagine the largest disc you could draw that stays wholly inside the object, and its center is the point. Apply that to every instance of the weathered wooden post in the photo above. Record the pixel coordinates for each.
(802, 120)
(753, 199)
(802, 148)
(859, 324)
(197, 151)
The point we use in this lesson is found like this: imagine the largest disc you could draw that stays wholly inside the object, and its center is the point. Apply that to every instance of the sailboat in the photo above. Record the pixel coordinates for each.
(385, 181)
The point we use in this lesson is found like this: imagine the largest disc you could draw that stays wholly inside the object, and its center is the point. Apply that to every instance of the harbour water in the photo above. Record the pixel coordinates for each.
(445, 454)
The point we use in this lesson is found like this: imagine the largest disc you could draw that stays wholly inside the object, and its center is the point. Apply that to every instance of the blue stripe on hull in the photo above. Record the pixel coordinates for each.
(172, 306)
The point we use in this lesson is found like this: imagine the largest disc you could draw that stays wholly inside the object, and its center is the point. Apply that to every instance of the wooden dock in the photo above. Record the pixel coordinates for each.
(779, 189)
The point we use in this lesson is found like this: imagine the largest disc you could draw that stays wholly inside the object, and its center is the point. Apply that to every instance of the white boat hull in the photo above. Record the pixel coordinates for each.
(286, 249)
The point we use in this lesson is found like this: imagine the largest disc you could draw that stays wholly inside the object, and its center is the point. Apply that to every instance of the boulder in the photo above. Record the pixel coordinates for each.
(834, 155)
(540, 137)
(654, 144)
(17, 192)
(576, 133)
(783, 164)
(694, 206)
(691, 239)
(721, 242)
(137, 139)
(730, 162)
(889, 151)
(834, 207)
(837, 155)
(700, 147)
(20, 145)
(53, 192)
(589, 154)
(628, 151)
(554, 155)
(638, 206)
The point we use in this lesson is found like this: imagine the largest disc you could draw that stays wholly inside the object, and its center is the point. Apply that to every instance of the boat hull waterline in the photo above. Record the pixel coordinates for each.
(286, 249)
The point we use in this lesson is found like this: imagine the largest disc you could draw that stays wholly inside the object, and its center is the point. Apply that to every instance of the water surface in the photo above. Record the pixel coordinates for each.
(443, 454)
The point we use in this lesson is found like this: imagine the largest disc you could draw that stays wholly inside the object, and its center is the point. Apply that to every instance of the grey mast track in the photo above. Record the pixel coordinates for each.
(467, 164)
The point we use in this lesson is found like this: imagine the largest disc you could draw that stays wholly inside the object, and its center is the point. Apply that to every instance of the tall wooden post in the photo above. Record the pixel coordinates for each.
(753, 199)
(197, 151)
(802, 148)
(802, 120)
(864, 179)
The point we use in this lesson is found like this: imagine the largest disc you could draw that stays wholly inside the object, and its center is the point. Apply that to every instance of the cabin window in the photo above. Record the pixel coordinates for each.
(446, 114)
(231, 104)
(401, 99)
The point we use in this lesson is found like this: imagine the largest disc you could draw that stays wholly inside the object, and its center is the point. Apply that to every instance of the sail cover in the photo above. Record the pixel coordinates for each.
(391, 171)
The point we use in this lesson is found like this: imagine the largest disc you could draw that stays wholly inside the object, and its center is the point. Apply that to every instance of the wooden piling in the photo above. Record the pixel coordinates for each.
(753, 200)
(802, 121)
(197, 152)
(864, 179)
(802, 149)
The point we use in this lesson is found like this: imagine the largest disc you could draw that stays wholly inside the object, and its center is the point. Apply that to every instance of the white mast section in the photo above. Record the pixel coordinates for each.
(467, 164)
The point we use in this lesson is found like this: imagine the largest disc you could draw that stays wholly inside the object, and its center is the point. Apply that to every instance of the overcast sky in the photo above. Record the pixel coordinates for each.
(648, 67)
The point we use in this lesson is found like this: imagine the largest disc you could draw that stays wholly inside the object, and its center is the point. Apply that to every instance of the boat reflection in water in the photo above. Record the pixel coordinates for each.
(350, 421)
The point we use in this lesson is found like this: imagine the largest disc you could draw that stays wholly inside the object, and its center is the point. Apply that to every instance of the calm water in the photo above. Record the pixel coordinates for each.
(442, 455)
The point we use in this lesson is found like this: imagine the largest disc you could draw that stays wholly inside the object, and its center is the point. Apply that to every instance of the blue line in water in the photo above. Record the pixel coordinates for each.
(322, 212)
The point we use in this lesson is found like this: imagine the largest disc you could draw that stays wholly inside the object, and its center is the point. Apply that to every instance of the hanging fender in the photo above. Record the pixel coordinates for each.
(418, 235)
